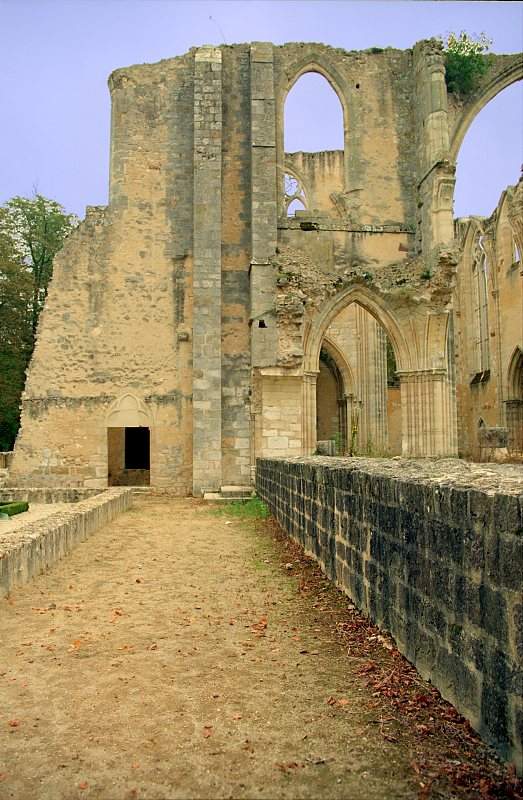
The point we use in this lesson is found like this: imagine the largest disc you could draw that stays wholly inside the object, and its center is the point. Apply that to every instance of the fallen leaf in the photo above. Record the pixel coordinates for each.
(288, 766)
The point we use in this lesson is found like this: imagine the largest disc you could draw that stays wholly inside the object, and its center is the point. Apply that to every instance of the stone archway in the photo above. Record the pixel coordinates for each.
(509, 74)
(334, 397)
(419, 345)
(514, 404)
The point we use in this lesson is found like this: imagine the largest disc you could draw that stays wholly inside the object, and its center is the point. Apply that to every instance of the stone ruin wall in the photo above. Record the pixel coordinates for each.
(490, 396)
(191, 305)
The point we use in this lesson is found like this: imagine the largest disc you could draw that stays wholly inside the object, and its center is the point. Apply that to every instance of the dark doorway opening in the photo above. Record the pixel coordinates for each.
(137, 448)
(129, 456)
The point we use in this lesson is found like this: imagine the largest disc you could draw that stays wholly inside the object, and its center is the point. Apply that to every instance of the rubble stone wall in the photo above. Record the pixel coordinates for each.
(431, 552)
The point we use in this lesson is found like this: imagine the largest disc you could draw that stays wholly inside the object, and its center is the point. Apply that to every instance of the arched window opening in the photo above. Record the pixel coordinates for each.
(294, 206)
(295, 199)
(516, 252)
(314, 139)
(480, 310)
(489, 159)
(371, 405)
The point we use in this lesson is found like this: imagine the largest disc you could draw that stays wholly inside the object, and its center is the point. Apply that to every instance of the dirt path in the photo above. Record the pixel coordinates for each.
(170, 657)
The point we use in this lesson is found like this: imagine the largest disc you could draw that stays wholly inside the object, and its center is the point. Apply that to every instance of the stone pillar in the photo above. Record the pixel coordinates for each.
(436, 173)
(264, 212)
(426, 414)
(309, 413)
(207, 391)
(514, 416)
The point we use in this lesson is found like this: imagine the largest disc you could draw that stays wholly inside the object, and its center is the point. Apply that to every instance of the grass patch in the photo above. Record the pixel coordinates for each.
(251, 509)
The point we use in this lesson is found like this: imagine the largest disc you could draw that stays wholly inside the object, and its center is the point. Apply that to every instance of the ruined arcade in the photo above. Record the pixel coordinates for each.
(193, 325)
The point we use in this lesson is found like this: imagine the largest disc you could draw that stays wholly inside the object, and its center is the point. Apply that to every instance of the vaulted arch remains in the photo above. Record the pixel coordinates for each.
(486, 146)
(408, 411)
(511, 73)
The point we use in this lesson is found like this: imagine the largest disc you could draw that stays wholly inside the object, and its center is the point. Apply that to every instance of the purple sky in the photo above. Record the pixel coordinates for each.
(56, 56)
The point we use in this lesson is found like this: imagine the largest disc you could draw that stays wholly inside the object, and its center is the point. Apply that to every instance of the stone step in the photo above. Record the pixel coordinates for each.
(237, 492)
(229, 493)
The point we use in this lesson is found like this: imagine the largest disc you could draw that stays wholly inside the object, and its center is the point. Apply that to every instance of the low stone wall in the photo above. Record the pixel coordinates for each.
(69, 494)
(33, 548)
(432, 551)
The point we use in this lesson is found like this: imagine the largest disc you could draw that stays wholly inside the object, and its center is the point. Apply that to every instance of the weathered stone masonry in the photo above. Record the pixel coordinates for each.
(432, 552)
(193, 307)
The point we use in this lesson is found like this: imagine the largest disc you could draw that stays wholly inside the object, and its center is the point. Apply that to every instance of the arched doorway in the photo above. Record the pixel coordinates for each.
(418, 345)
(514, 406)
(332, 395)
(365, 417)
(128, 443)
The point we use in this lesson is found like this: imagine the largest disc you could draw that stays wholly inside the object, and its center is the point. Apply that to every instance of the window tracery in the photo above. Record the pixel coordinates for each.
(294, 195)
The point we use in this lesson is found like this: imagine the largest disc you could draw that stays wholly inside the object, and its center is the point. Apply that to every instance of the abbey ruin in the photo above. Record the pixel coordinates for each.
(193, 324)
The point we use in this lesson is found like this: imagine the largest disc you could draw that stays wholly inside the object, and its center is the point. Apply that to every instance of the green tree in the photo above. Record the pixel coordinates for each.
(466, 61)
(31, 233)
(37, 228)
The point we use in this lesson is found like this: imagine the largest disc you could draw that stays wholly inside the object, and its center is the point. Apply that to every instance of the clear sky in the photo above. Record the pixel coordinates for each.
(56, 55)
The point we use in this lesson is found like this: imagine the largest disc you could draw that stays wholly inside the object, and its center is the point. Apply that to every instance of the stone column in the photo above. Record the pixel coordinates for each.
(426, 418)
(435, 172)
(309, 413)
(207, 391)
(264, 212)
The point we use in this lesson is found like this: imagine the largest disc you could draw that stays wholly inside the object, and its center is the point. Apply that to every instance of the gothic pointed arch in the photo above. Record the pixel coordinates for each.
(371, 303)
(515, 375)
(509, 73)
(341, 362)
(128, 411)
(313, 62)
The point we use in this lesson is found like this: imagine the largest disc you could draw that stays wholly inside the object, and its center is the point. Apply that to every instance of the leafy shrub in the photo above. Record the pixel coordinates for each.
(465, 61)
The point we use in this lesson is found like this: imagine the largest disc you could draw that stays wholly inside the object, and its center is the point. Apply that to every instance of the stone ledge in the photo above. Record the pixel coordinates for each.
(34, 547)
(46, 494)
(455, 472)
